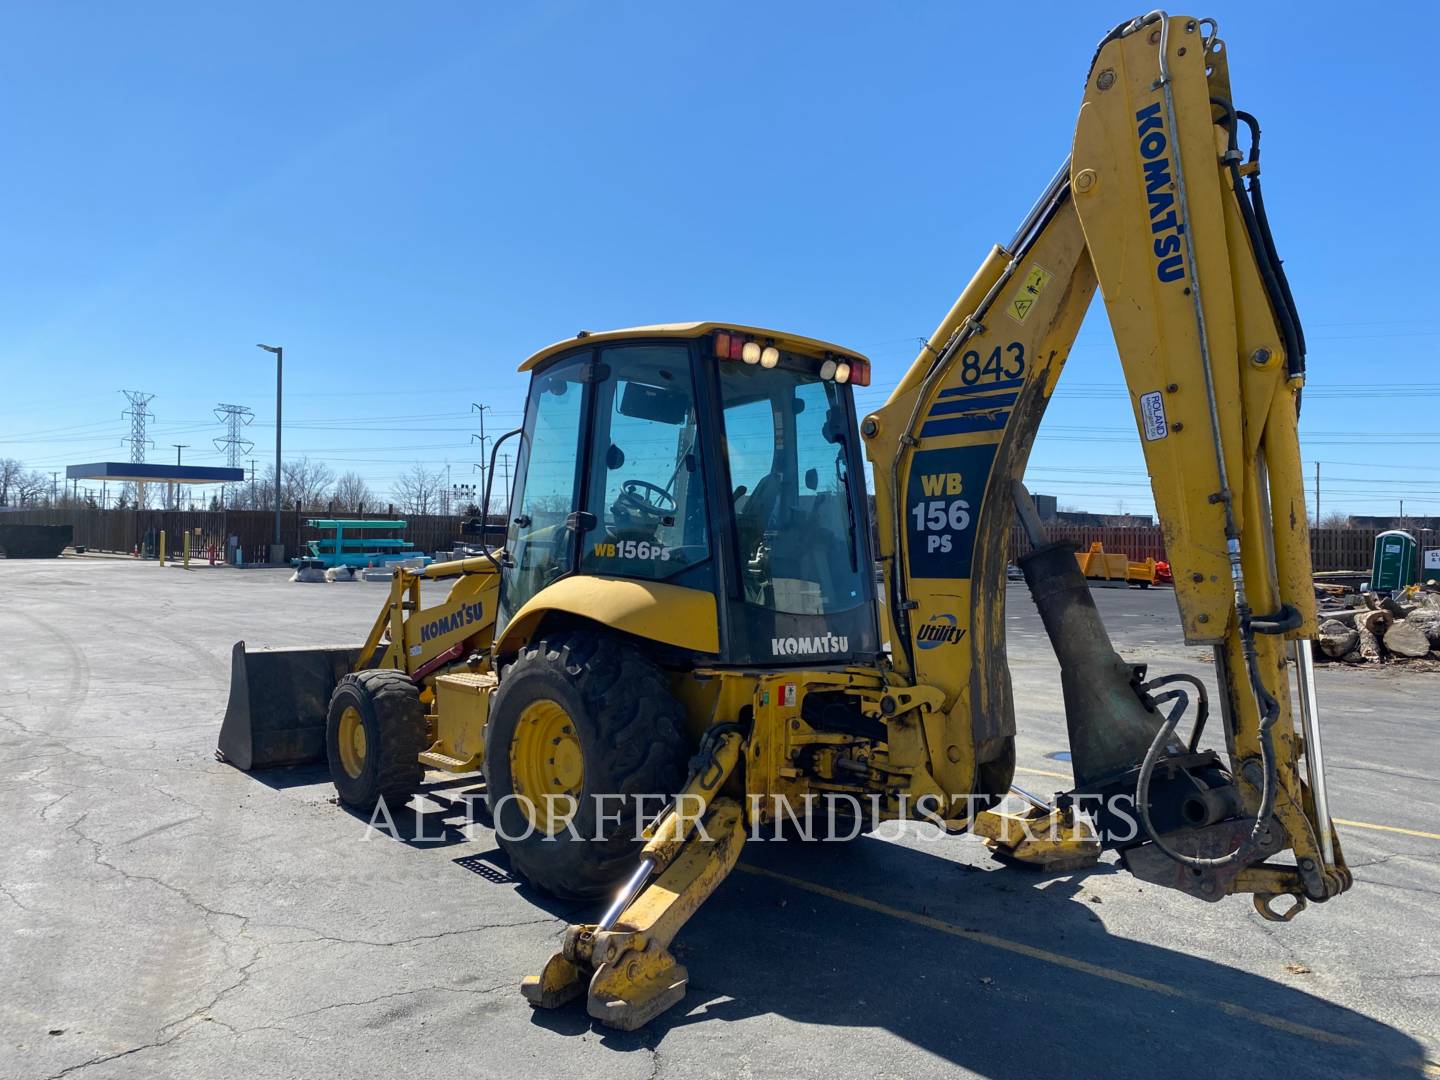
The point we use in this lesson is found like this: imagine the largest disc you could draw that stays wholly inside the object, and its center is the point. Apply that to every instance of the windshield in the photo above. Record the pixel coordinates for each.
(786, 438)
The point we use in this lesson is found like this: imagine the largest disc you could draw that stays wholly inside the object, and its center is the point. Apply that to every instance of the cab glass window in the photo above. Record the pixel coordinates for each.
(787, 450)
(539, 545)
(647, 515)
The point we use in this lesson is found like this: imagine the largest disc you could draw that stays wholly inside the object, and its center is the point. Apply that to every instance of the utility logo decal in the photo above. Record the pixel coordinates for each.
(809, 646)
(940, 630)
(1165, 223)
(1152, 416)
(1029, 292)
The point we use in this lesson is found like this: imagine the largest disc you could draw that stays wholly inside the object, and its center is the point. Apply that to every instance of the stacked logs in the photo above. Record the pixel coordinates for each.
(1381, 629)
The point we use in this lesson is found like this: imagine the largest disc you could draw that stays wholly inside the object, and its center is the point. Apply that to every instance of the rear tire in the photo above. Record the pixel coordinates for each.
(617, 731)
(374, 735)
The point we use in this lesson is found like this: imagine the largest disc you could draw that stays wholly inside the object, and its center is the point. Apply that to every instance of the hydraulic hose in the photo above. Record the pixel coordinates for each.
(1268, 707)
(1262, 242)
(1157, 747)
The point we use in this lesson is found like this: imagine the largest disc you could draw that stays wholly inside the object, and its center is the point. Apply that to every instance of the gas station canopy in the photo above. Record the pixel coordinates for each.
(149, 473)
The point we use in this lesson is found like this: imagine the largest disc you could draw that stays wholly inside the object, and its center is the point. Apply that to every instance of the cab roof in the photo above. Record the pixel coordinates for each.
(686, 330)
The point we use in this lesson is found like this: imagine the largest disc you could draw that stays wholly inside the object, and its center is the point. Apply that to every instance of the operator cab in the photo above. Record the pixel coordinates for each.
(714, 458)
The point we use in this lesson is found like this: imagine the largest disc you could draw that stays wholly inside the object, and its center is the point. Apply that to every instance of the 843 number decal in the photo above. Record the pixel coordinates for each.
(1004, 362)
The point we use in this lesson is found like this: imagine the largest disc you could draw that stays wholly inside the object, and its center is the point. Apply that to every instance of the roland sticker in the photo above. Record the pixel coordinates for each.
(787, 695)
(1152, 416)
(1028, 293)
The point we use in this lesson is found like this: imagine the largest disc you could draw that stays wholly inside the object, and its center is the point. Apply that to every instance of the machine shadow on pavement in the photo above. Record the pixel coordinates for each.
(1066, 990)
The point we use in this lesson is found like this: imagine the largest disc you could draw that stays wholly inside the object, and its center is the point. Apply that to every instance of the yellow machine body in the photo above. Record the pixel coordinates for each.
(1148, 211)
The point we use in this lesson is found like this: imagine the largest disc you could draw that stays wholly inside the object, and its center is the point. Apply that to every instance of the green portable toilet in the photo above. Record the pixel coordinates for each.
(1393, 564)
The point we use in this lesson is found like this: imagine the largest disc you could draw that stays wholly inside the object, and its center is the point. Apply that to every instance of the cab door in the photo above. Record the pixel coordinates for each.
(540, 541)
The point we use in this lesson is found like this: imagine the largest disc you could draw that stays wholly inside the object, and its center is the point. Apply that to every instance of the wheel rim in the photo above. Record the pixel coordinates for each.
(352, 742)
(546, 760)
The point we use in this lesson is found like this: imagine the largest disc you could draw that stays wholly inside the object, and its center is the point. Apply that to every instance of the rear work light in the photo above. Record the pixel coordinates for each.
(730, 346)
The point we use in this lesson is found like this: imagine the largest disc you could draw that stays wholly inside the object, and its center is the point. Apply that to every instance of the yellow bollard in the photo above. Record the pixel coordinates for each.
(187, 549)
(162, 547)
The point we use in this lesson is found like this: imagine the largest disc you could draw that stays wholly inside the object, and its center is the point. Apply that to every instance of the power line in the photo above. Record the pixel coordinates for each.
(480, 438)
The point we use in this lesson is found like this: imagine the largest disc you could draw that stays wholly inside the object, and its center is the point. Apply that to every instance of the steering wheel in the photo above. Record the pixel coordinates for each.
(643, 499)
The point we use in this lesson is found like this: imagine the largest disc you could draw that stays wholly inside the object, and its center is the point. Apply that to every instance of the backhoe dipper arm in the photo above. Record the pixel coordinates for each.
(1152, 207)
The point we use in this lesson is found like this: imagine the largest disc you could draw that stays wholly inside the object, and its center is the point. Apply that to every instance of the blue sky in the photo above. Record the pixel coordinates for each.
(412, 198)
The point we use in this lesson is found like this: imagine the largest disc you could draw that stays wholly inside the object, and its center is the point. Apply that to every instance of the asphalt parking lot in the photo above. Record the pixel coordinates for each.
(163, 915)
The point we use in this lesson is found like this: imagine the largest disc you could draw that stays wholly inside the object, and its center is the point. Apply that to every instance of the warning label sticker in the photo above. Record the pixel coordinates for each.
(1028, 293)
(1152, 416)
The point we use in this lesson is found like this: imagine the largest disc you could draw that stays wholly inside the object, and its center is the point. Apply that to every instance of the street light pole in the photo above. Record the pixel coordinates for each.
(279, 352)
(175, 488)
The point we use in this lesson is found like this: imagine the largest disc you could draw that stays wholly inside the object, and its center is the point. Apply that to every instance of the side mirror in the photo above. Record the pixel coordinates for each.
(812, 479)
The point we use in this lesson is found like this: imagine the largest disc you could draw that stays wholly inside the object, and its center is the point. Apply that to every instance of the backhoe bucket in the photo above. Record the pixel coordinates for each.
(1111, 727)
(278, 701)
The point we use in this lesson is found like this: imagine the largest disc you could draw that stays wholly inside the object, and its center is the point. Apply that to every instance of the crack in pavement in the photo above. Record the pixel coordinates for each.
(1380, 771)
(334, 939)
(108, 1057)
(1394, 885)
(160, 828)
(5, 892)
(276, 1020)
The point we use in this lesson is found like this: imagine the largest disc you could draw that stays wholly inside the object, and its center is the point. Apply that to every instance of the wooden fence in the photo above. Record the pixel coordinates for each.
(254, 530)
(122, 530)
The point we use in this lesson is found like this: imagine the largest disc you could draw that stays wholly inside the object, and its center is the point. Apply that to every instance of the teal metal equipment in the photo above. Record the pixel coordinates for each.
(1393, 565)
(359, 551)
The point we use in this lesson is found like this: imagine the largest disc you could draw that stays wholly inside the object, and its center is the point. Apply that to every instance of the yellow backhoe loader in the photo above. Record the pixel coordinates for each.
(685, 613)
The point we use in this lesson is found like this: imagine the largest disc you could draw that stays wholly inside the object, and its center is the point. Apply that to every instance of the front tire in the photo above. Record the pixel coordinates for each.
(374, 735)
(577, 716)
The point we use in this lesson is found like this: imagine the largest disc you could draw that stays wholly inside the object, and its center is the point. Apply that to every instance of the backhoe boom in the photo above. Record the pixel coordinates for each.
(1150, 207)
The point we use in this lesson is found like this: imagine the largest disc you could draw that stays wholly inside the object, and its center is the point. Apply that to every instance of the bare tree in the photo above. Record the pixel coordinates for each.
(10, 470)
(417, 491)
(30, 488)
(352, 494)
(306, 482)
(301, 481)
(1335, 520)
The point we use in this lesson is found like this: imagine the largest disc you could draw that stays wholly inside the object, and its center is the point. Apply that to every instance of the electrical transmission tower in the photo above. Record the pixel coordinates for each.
(234, 445)
(139, 415)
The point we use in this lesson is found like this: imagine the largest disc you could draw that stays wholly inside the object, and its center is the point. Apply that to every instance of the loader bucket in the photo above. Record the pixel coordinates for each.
(278, 701)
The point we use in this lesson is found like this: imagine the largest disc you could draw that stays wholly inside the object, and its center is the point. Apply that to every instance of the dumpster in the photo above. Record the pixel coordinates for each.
(1393, 563)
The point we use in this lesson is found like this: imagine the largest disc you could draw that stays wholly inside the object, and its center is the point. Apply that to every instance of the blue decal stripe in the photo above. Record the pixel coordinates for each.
(982, 388)
(973, 405)
(959, 425)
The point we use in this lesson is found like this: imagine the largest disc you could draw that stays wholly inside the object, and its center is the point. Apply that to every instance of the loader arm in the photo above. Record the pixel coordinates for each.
(1150, 207)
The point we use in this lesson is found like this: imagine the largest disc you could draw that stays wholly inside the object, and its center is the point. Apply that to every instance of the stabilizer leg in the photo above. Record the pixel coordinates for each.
(625, 958)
